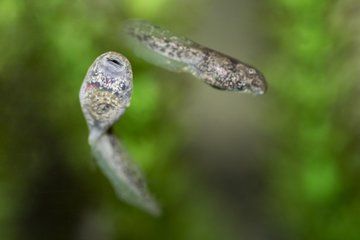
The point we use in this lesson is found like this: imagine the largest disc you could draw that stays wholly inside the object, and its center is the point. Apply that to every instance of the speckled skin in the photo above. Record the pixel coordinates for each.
(106, 92)
(104, 96)
(216, 69)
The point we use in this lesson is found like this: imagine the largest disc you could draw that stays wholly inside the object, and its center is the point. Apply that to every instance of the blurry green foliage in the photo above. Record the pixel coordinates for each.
(147, 8)
(310, 178)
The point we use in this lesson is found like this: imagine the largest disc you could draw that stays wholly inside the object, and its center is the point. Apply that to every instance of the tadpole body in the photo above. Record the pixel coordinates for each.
(176, 53)
(106, 92)
(104, 96)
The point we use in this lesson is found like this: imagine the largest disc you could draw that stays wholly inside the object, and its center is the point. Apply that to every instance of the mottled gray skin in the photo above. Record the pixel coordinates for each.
(216, 69)
(106, 92)
(104, 96)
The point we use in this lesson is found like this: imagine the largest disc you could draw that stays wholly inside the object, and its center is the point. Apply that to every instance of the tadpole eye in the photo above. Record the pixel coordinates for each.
(251, 71)
(114, 61)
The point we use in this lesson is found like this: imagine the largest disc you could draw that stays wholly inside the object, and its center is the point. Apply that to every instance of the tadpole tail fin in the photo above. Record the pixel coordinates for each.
(146, 40)
(124, 175)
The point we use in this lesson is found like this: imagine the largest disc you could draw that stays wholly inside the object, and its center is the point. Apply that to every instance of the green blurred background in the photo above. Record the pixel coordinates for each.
(223, 165)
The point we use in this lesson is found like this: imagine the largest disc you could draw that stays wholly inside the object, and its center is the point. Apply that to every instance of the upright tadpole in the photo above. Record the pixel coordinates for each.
(104, 96)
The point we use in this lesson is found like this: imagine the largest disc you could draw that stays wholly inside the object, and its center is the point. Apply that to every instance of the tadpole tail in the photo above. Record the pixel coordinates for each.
(156, 45)
(124, 175)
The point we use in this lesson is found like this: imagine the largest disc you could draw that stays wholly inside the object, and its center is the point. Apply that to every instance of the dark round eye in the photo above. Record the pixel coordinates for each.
(251, 71)
(114, 61)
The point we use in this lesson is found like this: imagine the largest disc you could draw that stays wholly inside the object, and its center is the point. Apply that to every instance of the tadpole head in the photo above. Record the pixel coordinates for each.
(256, 81)
(106, 91)
(113, 64)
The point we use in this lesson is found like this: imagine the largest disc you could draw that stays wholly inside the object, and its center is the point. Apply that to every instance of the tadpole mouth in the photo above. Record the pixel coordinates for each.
(258, 87)
(115, 61)
(114, 64)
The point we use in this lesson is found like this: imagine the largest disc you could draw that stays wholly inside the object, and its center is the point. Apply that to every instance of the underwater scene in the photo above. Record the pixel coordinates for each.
(180, 119)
